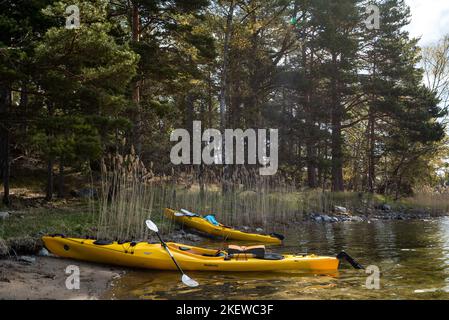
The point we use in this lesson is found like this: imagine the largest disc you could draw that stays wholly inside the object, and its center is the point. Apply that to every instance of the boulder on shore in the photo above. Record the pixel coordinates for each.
(340, 210)
(4, 249)
(84, 193)
(4, 215)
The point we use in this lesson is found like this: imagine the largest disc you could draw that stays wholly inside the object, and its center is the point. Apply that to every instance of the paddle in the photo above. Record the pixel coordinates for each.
(185, 213)
(189, 214)
(352, 262)
(185, 278)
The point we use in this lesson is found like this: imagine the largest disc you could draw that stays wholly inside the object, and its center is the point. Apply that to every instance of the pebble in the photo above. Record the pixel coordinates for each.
(43, 253)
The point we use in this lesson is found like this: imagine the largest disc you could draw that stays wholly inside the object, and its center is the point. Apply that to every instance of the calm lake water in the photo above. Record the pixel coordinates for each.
(413, 257)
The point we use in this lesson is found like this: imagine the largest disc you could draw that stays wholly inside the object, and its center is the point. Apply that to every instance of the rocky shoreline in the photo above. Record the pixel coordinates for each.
(384, 212)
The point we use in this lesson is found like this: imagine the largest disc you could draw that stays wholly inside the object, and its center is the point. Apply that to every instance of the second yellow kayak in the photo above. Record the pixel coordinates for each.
(227, 233)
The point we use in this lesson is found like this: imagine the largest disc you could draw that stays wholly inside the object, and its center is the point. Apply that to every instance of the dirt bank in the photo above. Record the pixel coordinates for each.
(45, 279)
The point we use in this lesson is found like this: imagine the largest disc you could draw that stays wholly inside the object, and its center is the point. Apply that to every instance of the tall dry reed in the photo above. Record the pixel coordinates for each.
(126, 199)
(130, 195)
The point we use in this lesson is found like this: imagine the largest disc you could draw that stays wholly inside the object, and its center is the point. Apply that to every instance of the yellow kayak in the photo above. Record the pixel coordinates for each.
(200, 224)
(154, 256)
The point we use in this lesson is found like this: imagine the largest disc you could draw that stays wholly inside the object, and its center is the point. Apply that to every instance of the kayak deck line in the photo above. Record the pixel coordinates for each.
(154, 256)
(197, 222)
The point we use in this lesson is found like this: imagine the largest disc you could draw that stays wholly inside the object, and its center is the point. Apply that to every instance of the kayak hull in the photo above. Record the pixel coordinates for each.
(154, 256)
(224, 232)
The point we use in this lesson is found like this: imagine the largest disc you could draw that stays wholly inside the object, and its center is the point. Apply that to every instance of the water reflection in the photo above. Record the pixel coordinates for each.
(413, 257)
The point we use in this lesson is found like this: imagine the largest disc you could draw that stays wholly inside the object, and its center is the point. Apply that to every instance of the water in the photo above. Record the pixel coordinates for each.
(413, 258)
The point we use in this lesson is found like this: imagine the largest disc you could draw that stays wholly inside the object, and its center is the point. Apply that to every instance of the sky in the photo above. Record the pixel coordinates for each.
(430, 20)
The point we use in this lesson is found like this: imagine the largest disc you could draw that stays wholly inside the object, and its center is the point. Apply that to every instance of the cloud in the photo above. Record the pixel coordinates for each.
(430, 20)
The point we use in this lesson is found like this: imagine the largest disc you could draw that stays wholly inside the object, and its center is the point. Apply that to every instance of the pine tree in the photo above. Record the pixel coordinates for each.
(79, 88)
(400, 108)
(337, 38)
(22, 24)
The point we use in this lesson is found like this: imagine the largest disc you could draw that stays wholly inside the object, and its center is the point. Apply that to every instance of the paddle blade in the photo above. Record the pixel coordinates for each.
(152, 226)
(189, 281)
(186, 211)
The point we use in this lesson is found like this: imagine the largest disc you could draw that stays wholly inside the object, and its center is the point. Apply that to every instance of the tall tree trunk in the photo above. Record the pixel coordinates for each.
(137, 134)
(61, 179)
(5, 102)
(311, 165)
(200, 173)
(372, 136)
(255, 78)
(224, 74)
(223, 91)
(50, 161)
(210, 104)
(371, 149)
(337, 155)
(49, 191)
(310, 123)
(336, 139)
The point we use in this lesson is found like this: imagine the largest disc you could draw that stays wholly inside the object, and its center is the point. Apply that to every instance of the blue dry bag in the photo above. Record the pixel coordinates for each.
(211, 219)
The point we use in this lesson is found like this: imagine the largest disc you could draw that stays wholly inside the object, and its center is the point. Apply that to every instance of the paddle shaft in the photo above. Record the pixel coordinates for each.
(169, 253)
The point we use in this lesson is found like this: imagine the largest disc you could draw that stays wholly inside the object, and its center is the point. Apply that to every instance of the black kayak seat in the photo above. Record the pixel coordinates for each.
(277, 235)
(257, 251)
(272, 257)
(103, 242)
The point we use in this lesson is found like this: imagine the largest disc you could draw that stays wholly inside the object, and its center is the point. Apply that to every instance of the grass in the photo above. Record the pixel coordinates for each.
(434, 202)
(74, 219)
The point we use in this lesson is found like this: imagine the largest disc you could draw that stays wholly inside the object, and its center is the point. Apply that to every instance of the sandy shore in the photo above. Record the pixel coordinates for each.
(45, 279)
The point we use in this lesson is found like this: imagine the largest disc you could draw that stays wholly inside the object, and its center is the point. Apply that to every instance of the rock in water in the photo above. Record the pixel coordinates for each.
(357, 219)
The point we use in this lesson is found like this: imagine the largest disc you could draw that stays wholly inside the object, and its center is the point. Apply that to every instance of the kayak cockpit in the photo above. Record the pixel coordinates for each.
(232, 253)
